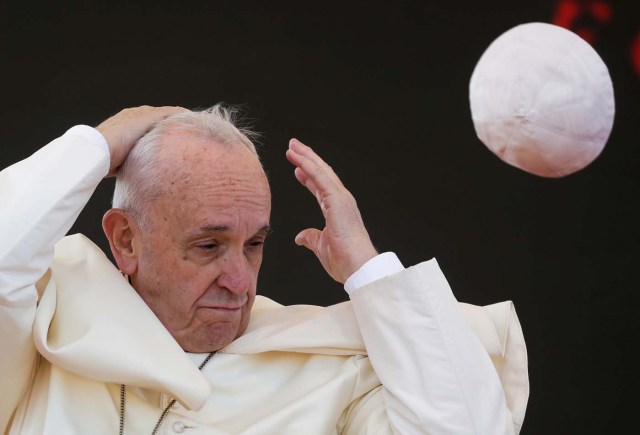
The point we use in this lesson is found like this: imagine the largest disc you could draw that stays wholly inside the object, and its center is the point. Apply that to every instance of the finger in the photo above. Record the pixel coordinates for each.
(167, 111)
(309, 171)
(305, 150)
(306, 181)
(301, 176)
(302, 151)
(300, 173)
(157, 114)
(299, 148)
(309, 239)
(311, 187)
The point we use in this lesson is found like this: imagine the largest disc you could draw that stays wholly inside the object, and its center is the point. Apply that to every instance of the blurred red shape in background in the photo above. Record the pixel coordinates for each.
(587, 17)
(584, 17)
(635, 53)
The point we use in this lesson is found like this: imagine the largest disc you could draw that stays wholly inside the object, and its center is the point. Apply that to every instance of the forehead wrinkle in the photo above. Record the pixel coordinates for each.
(251, 190)
(214, 174)
(187, 152)
(216, 177)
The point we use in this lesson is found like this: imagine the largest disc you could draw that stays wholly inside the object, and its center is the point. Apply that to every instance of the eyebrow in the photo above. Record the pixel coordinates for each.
(266, 229)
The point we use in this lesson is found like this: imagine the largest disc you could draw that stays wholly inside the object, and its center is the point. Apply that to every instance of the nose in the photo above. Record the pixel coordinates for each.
(234, 274)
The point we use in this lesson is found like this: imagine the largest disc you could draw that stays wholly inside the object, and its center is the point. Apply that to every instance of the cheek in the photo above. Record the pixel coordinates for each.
(255, 261)
(246, 314)
(163, 269)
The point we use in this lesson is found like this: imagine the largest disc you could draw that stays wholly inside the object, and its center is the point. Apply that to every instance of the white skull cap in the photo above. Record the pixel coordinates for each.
(542, 100)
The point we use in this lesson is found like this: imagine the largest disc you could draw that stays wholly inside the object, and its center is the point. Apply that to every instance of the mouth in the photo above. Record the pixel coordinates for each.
(225, 309)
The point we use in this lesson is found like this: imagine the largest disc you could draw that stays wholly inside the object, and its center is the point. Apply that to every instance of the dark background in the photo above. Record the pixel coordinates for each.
(380, 89)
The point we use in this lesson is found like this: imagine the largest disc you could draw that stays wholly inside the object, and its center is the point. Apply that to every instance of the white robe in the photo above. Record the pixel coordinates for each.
(399, 357)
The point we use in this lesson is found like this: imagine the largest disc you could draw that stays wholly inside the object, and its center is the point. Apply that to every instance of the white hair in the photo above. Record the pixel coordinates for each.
(139, 178)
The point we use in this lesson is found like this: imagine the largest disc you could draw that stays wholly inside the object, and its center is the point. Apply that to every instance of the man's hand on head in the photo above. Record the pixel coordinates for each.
(343, 246)
(123, 129)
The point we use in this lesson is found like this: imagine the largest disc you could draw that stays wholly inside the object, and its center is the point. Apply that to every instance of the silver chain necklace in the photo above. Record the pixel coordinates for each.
(123, 397)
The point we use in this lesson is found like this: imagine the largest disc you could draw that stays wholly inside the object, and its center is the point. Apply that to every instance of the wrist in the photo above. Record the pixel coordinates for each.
(363, 256)
(378, 267)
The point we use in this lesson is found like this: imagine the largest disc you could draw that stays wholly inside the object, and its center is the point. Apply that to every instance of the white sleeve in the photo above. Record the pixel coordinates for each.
(92, 135)
(378, 267)
(437, 377)
(41, 198)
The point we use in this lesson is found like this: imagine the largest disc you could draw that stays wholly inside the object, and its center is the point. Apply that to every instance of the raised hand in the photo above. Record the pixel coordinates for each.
(123, 129)
(344, 244)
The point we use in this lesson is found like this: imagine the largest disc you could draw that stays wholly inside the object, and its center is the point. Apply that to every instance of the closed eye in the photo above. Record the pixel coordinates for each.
(210, 246)
(259, 238)
(256, 243)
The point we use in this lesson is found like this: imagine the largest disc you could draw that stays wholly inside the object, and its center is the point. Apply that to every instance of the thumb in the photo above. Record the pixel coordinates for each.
(309, 239)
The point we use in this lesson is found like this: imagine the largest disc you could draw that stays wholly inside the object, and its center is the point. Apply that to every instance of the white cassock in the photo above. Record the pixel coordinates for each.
(403, 356)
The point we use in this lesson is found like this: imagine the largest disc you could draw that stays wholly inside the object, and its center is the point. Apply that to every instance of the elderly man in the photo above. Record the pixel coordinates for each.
(176, 340)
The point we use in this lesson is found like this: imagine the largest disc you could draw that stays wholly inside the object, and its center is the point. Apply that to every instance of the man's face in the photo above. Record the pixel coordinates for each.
(198, 263)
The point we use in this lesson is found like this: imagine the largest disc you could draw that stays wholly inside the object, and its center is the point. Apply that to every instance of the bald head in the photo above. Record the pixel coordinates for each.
(140, 181)
(196, 172)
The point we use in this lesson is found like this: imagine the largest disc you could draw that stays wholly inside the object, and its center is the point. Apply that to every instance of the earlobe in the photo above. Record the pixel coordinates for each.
(120, 230)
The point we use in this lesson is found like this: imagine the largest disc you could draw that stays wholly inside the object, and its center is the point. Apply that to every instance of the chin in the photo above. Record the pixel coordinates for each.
(215, 337)
(212, 335)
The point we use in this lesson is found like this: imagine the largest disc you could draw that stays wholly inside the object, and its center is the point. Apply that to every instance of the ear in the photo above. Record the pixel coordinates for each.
(121, 230)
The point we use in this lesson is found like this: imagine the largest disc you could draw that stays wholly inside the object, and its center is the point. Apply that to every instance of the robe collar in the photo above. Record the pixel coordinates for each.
(92, 323)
